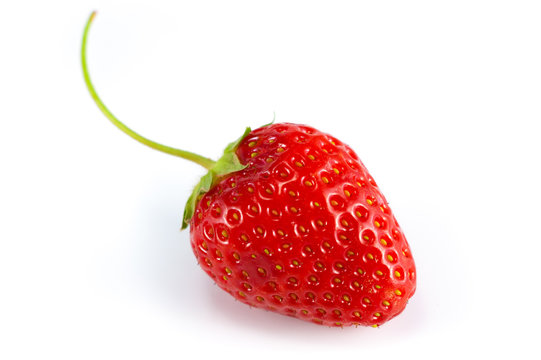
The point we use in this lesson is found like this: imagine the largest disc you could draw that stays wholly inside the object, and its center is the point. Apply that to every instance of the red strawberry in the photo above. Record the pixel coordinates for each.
(290, 220)
(304, 230)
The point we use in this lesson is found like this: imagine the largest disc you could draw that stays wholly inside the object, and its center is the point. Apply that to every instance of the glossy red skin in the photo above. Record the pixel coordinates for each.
(261, 236)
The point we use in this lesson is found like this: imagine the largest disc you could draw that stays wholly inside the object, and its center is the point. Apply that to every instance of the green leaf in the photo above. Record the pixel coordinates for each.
(227, 164)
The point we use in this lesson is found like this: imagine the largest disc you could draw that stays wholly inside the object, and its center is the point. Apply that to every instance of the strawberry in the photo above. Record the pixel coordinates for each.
(290, 220)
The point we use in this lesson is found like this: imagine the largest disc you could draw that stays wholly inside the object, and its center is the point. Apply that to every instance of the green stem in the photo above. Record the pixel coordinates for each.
(198, 159)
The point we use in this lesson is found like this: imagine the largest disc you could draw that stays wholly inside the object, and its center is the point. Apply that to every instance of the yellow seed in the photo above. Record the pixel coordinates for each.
(337, 280)
(375, 325)
(302, 229)
(370, 256)
(386, 303)
(390, 258)
(271, 141)
(269, 159)
(292, 280)
(308, 183)
(247, 286)
(397, 274)
(204, 245)
(242, 294)
(359, 184)
(345, 223)
(327, 245)
(350, 253)
(360, 271)
(235, 216)
(369, 202)
(357, 314)
(383, 242)
(278, 298)
(310, 295)
(377, 286)
(328, 296)
(377, 314)
(319, 265)
(293, 210)
(250, 189)
(259, 298)
(224, 233)
(346, 298)
(337, 313)
(254, 256)
(286, 246)
(312, 278)
(356, 284)
(254, 154)
(377, 223)
(228, 271)
(254, 209)
(379, 273)
(218, 253)
(259, 230)
(398, 292)
(244, 237)
(279, 267)
(225, 278)
(236, 256)
(298, 163)
(280, 149)
(325, 180)
(366, 300)
(274, 212)
(311, 157)
(348, 194)
(293, 296)
(305, 312)
(321, 311)
(266, 251)
(261, 271)
(295, 263)
(283, 175)
(280, 232)
(319, 222)
(336, 171)
(245, 274)
(334, 203)
(268, 191)
(358, 213)
(252, 143)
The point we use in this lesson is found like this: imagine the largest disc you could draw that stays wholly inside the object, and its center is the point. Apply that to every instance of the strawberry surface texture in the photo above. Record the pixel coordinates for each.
(304, 230)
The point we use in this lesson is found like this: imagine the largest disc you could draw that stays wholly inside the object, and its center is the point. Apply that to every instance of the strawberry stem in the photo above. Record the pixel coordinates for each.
(198, 159)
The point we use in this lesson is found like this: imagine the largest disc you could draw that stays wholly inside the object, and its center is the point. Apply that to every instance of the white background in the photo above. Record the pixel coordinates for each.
(440, 99)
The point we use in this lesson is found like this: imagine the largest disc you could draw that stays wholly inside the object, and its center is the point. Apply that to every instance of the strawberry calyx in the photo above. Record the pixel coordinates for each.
(226, 164)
